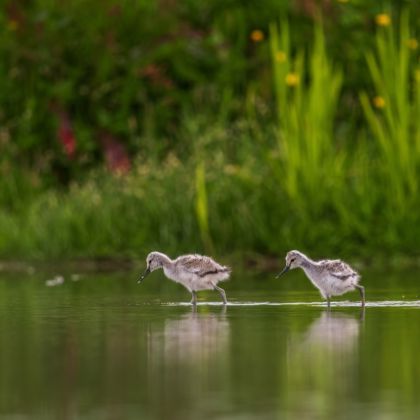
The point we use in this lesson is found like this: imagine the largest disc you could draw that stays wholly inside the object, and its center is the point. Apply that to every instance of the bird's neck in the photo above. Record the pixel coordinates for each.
(166, 261)
(308, 265)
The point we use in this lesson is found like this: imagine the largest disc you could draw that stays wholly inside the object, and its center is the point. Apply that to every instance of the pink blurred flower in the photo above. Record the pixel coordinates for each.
(116, 157)
(66, 135)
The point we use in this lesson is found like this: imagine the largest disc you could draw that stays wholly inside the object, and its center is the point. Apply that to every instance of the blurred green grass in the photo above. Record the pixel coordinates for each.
(212, 127)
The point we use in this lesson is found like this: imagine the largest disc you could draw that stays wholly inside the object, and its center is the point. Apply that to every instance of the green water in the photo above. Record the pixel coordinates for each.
(104, 347)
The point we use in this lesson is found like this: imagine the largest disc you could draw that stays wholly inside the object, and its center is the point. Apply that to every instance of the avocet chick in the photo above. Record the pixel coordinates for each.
(194, 272)
(331, 277)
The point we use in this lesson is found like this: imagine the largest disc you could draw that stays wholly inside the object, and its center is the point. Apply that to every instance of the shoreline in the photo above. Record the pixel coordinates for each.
(256, 262)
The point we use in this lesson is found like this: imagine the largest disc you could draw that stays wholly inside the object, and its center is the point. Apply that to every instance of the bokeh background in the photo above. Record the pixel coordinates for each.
(227, 127)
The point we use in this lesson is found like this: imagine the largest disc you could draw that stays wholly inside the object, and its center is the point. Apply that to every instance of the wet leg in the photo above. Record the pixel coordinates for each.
(362, 294)
(328, 302)
(194, 298)
(222, 293)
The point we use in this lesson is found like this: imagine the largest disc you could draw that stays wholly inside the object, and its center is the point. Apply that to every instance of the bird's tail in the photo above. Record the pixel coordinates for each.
(227, 269)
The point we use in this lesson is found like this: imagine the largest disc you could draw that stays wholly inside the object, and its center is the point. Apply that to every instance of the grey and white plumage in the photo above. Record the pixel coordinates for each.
(331, 277)
(195, 272)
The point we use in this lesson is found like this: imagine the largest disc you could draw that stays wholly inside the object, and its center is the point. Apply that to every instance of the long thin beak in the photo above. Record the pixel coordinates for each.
(285, 270)
(143, 276)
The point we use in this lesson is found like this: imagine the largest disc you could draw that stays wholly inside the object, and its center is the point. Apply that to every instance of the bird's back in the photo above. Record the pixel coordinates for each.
(200, 265)
(339, 269)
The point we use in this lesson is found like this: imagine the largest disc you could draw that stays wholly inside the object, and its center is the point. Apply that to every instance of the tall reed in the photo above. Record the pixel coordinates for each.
(307, 95)
(393, 113)
(201, 206)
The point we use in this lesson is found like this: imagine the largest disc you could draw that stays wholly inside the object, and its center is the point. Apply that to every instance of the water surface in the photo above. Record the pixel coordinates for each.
(99, 346)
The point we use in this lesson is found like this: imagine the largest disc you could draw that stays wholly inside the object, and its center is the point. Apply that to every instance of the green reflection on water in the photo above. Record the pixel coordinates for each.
(104, 347)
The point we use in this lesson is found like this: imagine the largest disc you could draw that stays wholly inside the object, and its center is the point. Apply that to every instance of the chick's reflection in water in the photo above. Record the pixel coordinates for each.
(334, 333)
(187, 355)
(322, 364)
(193, 338)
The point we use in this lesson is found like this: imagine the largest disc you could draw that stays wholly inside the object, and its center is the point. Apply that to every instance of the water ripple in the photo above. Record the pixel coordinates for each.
(341, 304)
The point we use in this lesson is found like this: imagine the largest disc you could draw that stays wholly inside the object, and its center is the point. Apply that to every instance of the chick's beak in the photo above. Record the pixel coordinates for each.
(143, 276)
(285, 270)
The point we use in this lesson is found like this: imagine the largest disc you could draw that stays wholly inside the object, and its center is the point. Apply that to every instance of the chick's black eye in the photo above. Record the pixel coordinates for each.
(292, 259)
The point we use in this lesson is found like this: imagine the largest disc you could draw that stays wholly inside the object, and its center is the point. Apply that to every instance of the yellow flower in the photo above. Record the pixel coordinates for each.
(412, 43)
(292, 79)
(257, 35)
(281, 56)
(383, 19)
(12, 25)
(417, 75)
(379, 102)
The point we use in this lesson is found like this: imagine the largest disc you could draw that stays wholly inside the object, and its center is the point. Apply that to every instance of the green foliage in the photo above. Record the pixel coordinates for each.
(284, 140)
(307, 98)
(395, 125)
(127, 68)
(201, 206)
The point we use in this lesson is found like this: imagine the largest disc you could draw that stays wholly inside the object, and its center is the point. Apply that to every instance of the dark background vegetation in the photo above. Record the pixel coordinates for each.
(176, 125)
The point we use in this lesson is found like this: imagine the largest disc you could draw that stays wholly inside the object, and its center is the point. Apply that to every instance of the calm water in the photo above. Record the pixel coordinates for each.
(103, 347)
